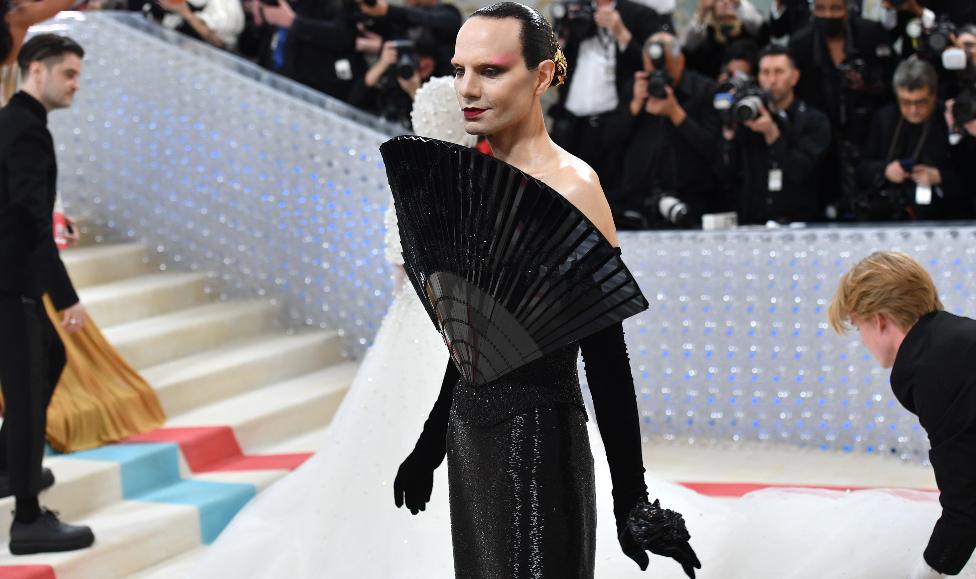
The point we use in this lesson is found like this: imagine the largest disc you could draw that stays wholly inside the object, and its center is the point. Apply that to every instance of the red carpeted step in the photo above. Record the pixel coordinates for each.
(27, 572)
(215, 448)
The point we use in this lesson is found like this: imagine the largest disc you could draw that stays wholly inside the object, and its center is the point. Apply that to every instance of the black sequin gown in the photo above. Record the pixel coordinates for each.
(521, 475)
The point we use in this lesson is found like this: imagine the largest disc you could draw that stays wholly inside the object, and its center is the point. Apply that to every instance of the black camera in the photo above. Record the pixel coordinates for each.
(740, 100)
(659, 80)
(573, 18)
(406, 64)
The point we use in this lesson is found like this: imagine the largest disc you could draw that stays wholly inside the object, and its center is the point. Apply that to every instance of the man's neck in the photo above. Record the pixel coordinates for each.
(522, 145)
(783, 104)
(35, 94)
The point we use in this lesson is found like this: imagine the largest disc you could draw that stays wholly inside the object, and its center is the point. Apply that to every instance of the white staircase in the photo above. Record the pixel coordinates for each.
(215, 366)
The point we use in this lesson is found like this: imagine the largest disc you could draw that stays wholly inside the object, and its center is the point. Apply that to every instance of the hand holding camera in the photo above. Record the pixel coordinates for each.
(640, 93)
(896, 173)
(764, 124)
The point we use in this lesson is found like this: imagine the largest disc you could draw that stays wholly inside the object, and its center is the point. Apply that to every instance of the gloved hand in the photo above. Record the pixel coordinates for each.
(414, 481)
(660, 531)
(923, 571)
(640, 525)
(413, 484)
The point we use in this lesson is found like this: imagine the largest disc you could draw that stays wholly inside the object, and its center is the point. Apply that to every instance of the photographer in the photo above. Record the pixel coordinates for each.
(845, 65)
(740, 60)
(440, 21)
(674, 128)
(313, 42)
(906, 171)
(776, 155)
(389, 86)
(716, 26)
(961, 118)
(602, 43)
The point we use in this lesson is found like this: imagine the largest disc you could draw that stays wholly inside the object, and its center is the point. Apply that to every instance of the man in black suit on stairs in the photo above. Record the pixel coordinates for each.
(31, 354)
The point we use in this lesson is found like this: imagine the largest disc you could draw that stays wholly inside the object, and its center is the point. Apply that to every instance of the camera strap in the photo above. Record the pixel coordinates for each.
(897, 135)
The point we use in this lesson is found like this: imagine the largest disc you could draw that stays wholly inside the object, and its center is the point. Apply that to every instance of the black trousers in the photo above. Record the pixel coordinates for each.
(31, 361)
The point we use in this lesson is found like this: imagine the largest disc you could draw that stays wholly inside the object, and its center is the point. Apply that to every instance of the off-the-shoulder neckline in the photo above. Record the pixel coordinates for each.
(541, 183)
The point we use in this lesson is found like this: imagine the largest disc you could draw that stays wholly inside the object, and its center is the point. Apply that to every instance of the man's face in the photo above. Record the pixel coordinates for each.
(967, 42)
(917, 105)
(736, 67)
(778, 76)
(58, 82)
(878, 336)
(495, 88)
(829, 9)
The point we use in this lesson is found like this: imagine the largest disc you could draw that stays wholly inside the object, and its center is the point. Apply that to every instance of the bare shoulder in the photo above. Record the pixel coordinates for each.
(580, 185)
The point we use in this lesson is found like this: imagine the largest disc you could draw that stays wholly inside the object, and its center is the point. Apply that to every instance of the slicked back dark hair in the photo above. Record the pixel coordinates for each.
(46, 46)
(774, 50)
(538, 40)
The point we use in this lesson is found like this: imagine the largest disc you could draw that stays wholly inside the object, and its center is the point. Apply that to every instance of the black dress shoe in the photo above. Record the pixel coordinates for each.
(47, 481)
(48, 534)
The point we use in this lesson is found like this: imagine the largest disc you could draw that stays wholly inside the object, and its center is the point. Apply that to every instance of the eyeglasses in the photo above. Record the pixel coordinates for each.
(915, 103)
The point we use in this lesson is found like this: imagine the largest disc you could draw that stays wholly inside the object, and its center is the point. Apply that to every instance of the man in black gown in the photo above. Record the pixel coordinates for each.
(893, 303)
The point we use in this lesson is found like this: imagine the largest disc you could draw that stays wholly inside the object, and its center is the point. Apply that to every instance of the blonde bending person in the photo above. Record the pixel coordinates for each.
(891, 301)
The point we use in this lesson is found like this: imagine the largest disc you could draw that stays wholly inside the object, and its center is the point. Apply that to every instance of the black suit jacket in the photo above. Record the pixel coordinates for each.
(933, 378)
(30, 264)
(642, 23)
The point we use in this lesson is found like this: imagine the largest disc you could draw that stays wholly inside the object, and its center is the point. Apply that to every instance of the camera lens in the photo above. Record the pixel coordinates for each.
(747, 109)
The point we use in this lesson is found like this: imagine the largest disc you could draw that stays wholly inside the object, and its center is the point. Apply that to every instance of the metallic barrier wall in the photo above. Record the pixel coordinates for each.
(221, 167)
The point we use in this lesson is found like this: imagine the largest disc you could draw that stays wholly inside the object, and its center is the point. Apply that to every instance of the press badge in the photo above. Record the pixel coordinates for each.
(343, 69)
(775, 180)
(923, 195)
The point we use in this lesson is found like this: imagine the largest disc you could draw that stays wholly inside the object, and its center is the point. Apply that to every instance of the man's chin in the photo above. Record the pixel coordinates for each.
(475, 128)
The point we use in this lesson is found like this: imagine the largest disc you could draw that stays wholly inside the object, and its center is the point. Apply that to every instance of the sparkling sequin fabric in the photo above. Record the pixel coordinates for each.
(521, 490)
(547, 381)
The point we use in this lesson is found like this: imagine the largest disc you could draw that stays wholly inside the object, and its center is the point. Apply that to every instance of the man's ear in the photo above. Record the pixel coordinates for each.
(882, 322)
(545, 72)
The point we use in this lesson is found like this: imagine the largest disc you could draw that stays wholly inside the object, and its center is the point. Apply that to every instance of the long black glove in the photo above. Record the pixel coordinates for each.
(415, 478)
(640, 525)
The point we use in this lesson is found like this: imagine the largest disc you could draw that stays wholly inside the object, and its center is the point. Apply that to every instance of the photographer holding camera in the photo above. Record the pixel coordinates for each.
(389, 86)
(602, 42)
(440, 21)
(776, 147)
(313, 42)
(906, 172)
(674, 134)
(845, 64)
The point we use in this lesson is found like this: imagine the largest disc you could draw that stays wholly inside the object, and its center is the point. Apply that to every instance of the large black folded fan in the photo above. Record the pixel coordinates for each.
(508, 269)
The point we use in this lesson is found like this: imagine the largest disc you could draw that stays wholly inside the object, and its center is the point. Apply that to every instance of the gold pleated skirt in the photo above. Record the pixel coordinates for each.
(100, 398)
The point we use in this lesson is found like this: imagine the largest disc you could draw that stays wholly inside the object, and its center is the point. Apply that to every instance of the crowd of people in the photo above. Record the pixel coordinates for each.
(817, 110)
